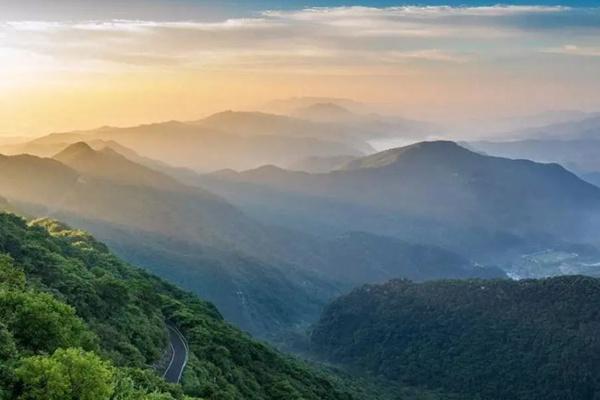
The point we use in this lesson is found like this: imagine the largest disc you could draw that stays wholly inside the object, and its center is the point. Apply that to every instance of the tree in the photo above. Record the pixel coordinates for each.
(8, 348)
(8, 352)
(283, 390)
(10, 275)
(27, 314)
(68, 374)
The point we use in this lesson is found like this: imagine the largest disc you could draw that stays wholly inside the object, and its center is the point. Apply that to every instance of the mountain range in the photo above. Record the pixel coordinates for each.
(76, 322)
(361, 120)
(320, 164)
(262, 277)
(432, 192)
(226, 140)
(271, 246)
(242, 139)
(176, 230)
(573, 144)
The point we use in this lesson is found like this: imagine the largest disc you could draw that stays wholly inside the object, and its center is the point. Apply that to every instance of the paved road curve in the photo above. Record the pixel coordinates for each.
(179, 358)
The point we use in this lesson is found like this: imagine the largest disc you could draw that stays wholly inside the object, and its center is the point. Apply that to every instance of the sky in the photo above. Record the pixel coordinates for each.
(75, 64)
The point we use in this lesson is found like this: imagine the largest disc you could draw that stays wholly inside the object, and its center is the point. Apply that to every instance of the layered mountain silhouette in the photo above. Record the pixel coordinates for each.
(226, 140)
(356, 118)
(579, 127)
(184, 233)
(272, 245)
(573, 144)
(109, 164)
(431, 192)
(290, 105)
(263, 278)
(320, 164)
(325, 112)
(248, 124)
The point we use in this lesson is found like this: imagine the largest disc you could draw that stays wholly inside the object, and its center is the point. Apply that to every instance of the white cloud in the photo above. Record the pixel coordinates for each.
(573, 50)
(429, 55)
(315, 37)
(322, 13)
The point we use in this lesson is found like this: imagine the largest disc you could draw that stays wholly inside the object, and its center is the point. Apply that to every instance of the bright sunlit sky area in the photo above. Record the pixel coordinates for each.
(68, 64)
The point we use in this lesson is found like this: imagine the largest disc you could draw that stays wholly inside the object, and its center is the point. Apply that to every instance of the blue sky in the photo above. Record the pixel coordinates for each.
(212, 9)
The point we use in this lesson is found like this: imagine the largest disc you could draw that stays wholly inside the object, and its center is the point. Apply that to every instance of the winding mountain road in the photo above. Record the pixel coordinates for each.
(179, 357)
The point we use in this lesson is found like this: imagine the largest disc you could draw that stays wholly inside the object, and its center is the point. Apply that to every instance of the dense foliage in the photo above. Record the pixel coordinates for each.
(505, 340)
(77, 323)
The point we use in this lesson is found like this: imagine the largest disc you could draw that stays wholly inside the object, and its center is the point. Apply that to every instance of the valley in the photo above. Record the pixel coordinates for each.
(278, 250)
(301, 200)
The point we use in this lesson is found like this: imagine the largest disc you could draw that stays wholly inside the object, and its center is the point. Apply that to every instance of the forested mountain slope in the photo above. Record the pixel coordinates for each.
(78, 323)
(184, 234)
(263, 279)
(359, 258)
(500, 339)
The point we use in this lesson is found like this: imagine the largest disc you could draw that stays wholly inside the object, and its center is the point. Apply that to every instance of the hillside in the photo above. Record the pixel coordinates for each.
(317, 165)
(359, 258)
(109, 320)
(185, 234)
(479, 339)
(109, 164)
(95, 188)
(592, 177)
(573, 143)
(577, 154)
(431, 192)
(264, 279)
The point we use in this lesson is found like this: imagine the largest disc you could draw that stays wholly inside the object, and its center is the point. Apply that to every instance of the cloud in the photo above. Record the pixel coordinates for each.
(573, 50)
(336, 37)
(431, 55)
(411, 12)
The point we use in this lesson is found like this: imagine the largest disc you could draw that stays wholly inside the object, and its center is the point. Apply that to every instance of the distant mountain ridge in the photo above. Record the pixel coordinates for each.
(430, 192)
(587, 126)
(225, 140)
(320, 164)
(176, 230)
(290, 105)
(109, 164)
(573, 144)
(263, 278)
(435, 179)
(326, 112)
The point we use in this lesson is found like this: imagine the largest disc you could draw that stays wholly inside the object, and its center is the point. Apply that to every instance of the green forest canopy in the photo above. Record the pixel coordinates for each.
(104, 324)
(500, 339)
